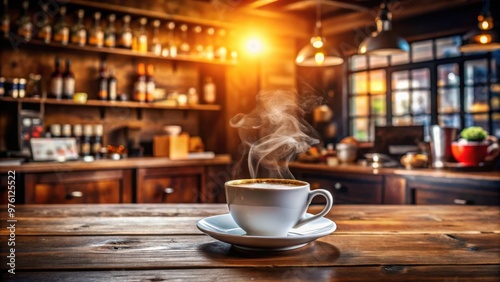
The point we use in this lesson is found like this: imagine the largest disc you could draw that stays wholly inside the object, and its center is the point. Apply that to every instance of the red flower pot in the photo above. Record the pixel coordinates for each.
(469, 153)
(474, 153)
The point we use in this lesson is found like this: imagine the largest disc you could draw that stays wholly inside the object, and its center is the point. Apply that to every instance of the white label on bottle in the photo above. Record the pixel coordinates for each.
(68, 86)
(56, 86)
(140, 86)
(150, 87)
(112, 90)
(126, 39)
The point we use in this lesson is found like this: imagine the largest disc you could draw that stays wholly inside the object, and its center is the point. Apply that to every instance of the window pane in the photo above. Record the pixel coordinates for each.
(376, 122)
(360, 129)
(406, 120)
(359, 106)
(476, 99)
(495, 97)
(449, 120)
(400, 59)
(378, 105)
(400, 103)
(420, 78)
(421, 51)
(448, 75)
(359, 83)
(475, 71)
(377, 82)
(421, 102)
(496, 125)
(448, 100)
(358, 62)
(378, 61)
(424, 120)
(400, 80)
(477, 120)
(448, 47)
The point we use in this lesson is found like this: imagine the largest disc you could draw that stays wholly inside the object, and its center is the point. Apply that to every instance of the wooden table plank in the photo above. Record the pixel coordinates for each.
(181, 219)
(389, 273)
(187, 225)
(153, 252)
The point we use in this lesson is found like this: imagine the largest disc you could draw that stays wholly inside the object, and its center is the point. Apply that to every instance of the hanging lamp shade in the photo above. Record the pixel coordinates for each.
(483, 38)
(384, 41)
(318, 53)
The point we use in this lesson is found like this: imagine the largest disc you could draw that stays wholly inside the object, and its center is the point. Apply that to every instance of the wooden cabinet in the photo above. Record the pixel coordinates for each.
(170, 185)
(346, 188)
(89, 187)
(452, 191)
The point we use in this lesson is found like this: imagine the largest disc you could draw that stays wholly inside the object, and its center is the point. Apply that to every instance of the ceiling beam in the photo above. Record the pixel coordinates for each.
(305, 4)
(408, 9)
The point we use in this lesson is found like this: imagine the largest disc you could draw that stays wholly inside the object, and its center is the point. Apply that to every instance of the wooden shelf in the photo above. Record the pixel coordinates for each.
(149, 13)
(111, 104)
(113, 51)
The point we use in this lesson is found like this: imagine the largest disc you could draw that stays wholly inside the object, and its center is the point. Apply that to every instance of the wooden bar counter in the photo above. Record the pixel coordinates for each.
(146, 242)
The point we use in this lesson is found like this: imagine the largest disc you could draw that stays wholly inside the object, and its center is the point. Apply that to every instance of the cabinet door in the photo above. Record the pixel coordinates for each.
(89, 187)
(169, 185)
(453, 193)
(347, 188)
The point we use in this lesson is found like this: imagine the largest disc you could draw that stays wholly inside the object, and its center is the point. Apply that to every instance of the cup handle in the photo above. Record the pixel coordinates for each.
(328, 206)
(493, 149)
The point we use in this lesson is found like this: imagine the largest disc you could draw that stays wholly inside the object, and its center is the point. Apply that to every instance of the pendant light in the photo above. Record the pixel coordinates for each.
(384, 41)
(318, 53)
(483, 38)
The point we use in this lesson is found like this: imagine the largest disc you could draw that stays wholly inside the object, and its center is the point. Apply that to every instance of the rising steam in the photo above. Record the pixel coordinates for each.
(274, 132)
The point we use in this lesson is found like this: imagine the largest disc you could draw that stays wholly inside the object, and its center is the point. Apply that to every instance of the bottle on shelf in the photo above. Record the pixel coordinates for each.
(220, 45)
(231, 44)
(192, 96)
(102, 82)
(86, 143)
(171, 49)
(150, 84)
(78, 134)
(198, 41)
(209, 91)
(110, 34)
(56, 81)
(209, 48)
(112, 84)
(5, 19)
(78, 31)
(45, 31)
(155, 41)
(184, 44)
(61, 29)
(96, 34)
(97, 140)
(141, 37)
(24, 24)
(125, 34)
(140, 84)
(55, 130)
(68, 81)
(66, 130)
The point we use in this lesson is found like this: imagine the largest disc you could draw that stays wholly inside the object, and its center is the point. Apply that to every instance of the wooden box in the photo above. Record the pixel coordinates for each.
(173, 147)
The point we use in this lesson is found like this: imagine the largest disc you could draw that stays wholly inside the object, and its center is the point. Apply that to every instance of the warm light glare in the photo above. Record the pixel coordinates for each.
(484, 38)
(319, 57)
(254, 45)
(485, 25)
(317, 42)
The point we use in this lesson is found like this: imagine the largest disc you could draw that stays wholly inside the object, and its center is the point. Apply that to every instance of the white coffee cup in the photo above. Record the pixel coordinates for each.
(271, 207)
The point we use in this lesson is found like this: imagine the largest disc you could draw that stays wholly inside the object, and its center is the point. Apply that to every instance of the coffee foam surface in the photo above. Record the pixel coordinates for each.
(269, 185)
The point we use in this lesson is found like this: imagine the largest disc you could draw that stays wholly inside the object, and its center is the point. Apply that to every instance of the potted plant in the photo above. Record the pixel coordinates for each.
(474, 147)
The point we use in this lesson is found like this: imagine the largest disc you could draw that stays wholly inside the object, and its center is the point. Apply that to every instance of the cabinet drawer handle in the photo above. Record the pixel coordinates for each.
(460, 202)
(337, 186)
(75, 194)
(169, 190)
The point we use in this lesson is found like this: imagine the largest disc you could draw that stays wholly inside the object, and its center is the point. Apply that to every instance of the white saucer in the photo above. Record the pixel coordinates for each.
(222, 227)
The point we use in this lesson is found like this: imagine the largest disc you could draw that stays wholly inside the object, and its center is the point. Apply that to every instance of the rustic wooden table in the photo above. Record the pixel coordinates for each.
(162, 242)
